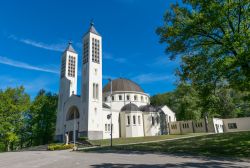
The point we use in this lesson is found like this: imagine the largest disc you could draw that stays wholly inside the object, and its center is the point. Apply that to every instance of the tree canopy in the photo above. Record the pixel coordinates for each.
(14, 102)
(43, 113)
(24, 122)
(213, 39)
(187, 105)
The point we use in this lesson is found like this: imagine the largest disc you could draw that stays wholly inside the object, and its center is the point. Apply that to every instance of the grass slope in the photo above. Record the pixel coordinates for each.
(121, 141)
(235, 144)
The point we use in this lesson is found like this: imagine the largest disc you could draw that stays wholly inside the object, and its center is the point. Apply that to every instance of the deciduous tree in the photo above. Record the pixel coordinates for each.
(14, 102)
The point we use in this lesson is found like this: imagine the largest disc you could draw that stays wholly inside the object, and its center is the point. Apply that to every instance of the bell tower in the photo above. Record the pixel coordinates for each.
(68, 85)
(92, 83)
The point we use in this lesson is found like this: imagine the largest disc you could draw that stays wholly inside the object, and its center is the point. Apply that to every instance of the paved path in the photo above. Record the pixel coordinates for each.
(67, 159)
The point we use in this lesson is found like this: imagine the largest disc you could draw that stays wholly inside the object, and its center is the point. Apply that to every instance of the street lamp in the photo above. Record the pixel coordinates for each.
(111, 134)
(74, 133)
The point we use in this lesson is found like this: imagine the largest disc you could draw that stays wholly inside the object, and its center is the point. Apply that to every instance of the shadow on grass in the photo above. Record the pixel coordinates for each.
(229, 145)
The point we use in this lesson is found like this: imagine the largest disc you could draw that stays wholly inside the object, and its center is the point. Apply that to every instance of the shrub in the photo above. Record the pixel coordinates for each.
(52, 147)
(83, 138)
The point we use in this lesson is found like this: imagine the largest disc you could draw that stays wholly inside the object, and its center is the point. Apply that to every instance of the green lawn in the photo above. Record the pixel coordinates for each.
(227, 144)
(119, 141)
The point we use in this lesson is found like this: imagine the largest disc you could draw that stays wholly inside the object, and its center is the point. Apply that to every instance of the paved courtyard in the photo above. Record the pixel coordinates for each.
(67, 159)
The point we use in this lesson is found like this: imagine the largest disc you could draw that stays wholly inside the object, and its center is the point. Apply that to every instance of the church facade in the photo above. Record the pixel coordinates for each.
(121, 106)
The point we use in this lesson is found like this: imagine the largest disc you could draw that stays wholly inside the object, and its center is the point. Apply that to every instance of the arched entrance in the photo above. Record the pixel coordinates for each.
(73, 114)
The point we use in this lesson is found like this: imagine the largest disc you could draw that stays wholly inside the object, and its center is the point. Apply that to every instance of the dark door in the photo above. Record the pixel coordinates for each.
(70, 136)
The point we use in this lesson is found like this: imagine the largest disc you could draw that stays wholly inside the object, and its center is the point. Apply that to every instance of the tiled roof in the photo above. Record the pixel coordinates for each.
(122, 84)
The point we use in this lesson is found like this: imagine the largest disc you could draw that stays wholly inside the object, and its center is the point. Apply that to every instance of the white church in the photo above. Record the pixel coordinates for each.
(125, 109)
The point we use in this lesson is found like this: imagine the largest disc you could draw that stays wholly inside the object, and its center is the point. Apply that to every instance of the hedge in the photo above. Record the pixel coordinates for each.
(52, 147)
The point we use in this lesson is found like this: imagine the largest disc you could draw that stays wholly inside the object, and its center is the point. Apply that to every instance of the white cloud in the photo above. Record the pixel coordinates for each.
(23, 65)
(150, 78)
(54, 47)
(109, 56)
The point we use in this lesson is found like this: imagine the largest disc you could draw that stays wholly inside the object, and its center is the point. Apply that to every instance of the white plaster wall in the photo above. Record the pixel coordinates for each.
(63, 96)
(131, 130)
(218, 125)
(95, 118)
(73, 101)
(68, 85)
(170, 115)
(68, 125)
(149, 129)
(92, 73)
(118, 104)
(123, 121)
(243, 124)
(115, 122)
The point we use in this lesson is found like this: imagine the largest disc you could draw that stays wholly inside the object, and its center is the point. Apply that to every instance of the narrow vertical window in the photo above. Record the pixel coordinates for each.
(120, 97)
(134, 121)
(128, 97)
(106, 127)
(153, 121)
(135, 98)
(93, 91)
(128, 118)
(139, 120)
(97, 89)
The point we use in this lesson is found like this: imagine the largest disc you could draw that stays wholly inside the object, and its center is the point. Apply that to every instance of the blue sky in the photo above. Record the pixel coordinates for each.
(33, 35)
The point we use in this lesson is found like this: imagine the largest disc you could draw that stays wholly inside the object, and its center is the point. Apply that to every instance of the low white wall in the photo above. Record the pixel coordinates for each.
(174, 127)
(242, 124)
(186, 127)
(199, 126)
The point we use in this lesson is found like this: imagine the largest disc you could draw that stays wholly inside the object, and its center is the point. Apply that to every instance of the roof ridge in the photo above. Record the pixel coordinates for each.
(70, 47)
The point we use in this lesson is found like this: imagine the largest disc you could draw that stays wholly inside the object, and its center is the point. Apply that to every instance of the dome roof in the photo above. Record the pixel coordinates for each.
(122, 84)
(130, 107)
(148, 108)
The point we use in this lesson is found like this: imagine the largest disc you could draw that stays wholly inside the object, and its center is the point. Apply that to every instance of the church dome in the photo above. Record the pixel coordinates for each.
(122, 84)
(130, 107)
